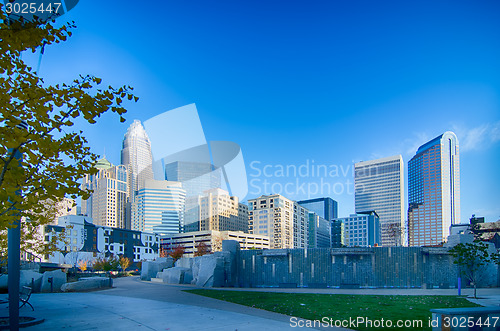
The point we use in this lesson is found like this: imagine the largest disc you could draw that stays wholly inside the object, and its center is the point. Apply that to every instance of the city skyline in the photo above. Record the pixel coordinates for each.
(337, 88)
(344, 154)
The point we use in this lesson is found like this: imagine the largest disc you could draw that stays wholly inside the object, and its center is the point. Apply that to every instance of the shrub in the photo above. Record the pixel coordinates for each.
(177, 253)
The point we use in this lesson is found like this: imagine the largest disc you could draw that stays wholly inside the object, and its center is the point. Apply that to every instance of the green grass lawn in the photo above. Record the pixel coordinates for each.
(339, 307)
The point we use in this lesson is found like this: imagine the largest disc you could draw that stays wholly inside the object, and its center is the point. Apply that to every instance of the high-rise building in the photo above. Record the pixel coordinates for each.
(196, 177)
(136, 156)
(324, 207)
(359, 230)
(433, 191)
(318, 231)
(218, 211)
(159, 207)
(283, 220)
(108, 201)
(379, 186)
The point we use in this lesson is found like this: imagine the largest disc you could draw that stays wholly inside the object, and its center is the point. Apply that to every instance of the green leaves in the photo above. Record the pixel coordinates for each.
(54, 157)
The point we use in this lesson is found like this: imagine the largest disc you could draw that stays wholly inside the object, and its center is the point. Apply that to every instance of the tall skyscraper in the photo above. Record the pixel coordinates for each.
(433, 191)
(323, 207)
(107, 204)
(136, 156)
(196, 177)
(159, 207)
(379, 186)
(216, 210)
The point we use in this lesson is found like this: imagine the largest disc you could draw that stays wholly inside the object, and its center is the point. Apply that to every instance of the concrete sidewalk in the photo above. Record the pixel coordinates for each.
(96, 311)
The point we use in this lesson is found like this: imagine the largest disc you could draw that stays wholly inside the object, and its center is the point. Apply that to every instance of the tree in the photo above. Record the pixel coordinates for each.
(82, 265)
(97, 264)
(36, 120)
(475, 229)
(110, 263)
(106, 263)
(33, 244)
(201, 249)
(395, 232)
(124, 262)
(164, 252)
(472, 259)
(177, 252)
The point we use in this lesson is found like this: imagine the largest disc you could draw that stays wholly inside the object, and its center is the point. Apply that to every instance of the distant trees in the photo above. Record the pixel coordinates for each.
(106, 263)
(124, 262)
(201, 249)
(82, 265)
(395, 232)
(177, 253)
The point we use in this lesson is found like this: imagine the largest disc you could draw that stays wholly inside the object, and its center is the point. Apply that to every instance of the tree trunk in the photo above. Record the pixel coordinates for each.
(475, 290)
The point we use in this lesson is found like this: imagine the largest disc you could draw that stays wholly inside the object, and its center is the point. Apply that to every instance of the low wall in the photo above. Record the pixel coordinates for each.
(400, 267)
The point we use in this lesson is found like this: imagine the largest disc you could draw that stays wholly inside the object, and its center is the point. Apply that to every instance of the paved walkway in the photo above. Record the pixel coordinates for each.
(137, 305)
(92, 311)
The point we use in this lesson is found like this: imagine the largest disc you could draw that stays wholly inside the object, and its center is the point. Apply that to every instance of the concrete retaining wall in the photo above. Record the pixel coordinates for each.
(398, 267)
(403, 267)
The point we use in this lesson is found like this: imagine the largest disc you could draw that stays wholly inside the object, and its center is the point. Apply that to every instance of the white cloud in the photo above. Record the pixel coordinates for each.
(469, 139)
(495, 132)
(478, 138)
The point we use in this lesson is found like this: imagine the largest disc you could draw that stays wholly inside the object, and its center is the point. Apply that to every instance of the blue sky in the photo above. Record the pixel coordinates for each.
(303, 82)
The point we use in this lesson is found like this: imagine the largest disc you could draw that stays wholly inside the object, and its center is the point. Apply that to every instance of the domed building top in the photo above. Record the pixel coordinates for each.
(103, 164)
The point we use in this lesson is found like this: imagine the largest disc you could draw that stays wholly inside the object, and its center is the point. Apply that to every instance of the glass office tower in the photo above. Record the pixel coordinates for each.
(379, 186)
(196, 177)
(159, 207)
(324, 207)
(433, 191)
